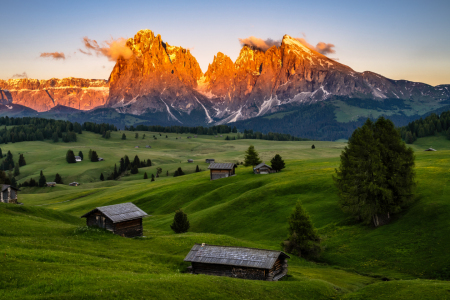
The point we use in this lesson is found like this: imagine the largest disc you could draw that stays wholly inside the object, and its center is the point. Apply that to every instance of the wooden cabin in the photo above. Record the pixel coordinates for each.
(74, 183)
(237, 262)
(148, 146)
(221, 170)
(78, 158)
(262, 168)
(100, 159)
(190, 160)
(50, 184)
(8, 194)
(122, 219)
(209, 160)
(430, 149)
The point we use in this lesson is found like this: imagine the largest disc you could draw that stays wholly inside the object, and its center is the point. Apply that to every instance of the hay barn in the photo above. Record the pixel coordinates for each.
(8, 194)
(221, 170)
(237, 262)
(262, 168)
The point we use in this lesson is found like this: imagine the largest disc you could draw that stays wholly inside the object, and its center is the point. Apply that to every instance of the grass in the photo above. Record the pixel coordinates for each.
(49, 253)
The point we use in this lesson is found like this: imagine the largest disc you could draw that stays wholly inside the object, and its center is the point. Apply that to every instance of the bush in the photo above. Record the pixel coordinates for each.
(70, 157)
(180, 222)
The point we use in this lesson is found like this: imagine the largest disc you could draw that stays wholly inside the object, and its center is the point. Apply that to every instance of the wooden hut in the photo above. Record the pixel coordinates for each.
(78, 158)
(100, 159)
(8, 194)
(238, 262)
(209, 160)
(51, 184)
(262, 168)
(74, 183)
(122, 219)
(190, 160)
(430, 149)
(221, 170)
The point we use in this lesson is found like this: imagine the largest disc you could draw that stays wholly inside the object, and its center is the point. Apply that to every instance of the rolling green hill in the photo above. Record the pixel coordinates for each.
(49, 253)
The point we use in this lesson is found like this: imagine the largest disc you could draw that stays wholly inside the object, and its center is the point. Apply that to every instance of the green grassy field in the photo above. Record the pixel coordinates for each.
(48, 253)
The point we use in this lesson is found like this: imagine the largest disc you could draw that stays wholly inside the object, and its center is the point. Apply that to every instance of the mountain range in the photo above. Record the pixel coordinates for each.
(164, 83)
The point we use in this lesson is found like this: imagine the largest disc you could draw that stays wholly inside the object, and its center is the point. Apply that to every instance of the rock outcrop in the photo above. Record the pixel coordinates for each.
(42, 95)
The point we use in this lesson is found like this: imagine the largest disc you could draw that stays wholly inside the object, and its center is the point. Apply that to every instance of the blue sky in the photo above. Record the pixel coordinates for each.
(398, 39)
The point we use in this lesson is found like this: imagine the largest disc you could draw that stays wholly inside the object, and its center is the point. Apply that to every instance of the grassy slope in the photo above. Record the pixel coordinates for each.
(245, 210)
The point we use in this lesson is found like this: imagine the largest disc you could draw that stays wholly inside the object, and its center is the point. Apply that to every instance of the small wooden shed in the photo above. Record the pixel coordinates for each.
(238, 262)
(78, 158)
(122, 219)
(221, 170)
(8, 194)
(190, 160)
(74, 183)
(51, 184)
(209, 160)
(262, 168)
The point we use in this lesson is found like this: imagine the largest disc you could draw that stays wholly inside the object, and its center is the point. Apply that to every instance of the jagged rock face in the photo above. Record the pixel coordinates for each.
(42, 95)
(219, 77)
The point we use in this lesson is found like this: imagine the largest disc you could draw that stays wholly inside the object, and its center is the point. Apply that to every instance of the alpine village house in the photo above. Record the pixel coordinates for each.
(262, 168)
(122, 219)
(237, 262)
(221, 170)
(8, 194)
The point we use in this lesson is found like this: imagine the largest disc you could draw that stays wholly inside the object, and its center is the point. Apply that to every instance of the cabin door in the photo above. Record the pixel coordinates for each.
(100, 221)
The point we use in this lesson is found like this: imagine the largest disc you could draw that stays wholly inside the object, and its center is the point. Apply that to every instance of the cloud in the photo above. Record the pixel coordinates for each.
(23, 75)
(258, 43)
(54, 55)
(113, 49)
(324, 48)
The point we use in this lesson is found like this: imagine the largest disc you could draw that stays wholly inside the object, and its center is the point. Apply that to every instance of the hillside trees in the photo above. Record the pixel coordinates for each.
(80, 154)
(145, 175)
(180, 222)
(70, 157)
(303, 239)
(124, 137)
(376, 174)
(58, 179)
(1, 153)
(42, 180)
(102, 178)
(22, 161)
(94, 156)
(277, 163)
(431, 125)
(251, 157)
(178, 172)
(16, 170)
(8, 162)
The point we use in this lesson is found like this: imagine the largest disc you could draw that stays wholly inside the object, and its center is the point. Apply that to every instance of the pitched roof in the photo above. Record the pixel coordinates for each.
(119, 212)
(4, 187)
(261, 165)
(235, 256)
(221, 166)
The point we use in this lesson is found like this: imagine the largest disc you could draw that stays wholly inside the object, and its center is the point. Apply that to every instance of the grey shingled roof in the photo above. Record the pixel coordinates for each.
(4, 187)
(235, 256)
(119, 212)
(260, 165)
(221, 166)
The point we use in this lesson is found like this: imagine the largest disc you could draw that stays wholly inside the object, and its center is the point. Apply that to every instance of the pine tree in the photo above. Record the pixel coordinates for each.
(149, 163)
(1, 154)
(303, 239)
(55, 137)
(153, 177)
(134, 170)
(376, 174)
(16, 170)
(277, 163)
(251, 157)
(94, 156)
(136, 135)
(42, 180)
(22, 161)
(115, 173)
(409, 138)
(143, 136)
(197, 169)
(227, 138)
(70, 157)
(158, 171)
(58, 179)
(124, 137)
(90, 154)
(80, 154)
(102, 178)
(313, 147)
(145, 175)
(167, 173)
(180, 222)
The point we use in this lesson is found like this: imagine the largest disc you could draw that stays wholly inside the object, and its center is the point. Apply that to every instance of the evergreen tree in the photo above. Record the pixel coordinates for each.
(145, 175)
(313, 147)
(409, 138)
(58, 179)
(158, 171)
(80, 154)
(376, 174)
(42, 180)
(251, 157)
(227, 138)
(115, 173)
(448, 134)
(94, 156)
(143, 136)
(277, 163)
(167, 173)
(153, 177)
(102, 178)
(1, 154)
(303, 239)
(16, 170)
(70, 157)
(90, 154)
(55, 137)
(180, 222)
(197, 169)
(124, 137)
(136, 162)
(134, 170)
(136, 135)
(22, 161)
(149, 163)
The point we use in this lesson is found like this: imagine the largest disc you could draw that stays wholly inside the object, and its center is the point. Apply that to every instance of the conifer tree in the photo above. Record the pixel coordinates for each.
(303, 239)
(16, 170)
(115, 173)
(134, 170)
(80, 154)
(153, 177)
(1, 154)
(180, 222)
(197, 169)
(149, 163)
(70, 157)
(124, 137)
(55, 137)
(94, 156)
(143, 136)
(136, 135)
(58, 179)
(251, 157)
(22, 161)
(158, 171)
(313, 147)
(277, 163)
(145, 175)
(167, 173)
(102, 178)
(90, 154)
(42, 180)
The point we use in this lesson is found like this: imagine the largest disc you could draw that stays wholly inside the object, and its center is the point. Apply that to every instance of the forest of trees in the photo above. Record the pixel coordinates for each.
(213, 130)
(39, 129)
(431, 125)
(126, 164)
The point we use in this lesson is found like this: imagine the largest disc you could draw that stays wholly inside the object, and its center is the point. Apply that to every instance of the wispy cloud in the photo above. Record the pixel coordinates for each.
(258, 43)
(20, 75)
(54, 55)
(113, 49)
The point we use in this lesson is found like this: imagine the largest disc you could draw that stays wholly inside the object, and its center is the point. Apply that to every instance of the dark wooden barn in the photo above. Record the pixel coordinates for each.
(238, 262)
(262, 168)
(122, 219)
(221, 170)
(209, 160)
(8, 194)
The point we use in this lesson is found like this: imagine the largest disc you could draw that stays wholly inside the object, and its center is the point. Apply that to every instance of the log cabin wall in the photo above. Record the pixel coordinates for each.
(129, 228)
(229, 271)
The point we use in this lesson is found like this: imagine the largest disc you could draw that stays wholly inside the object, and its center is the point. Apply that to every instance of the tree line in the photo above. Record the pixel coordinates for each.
(429, 126)
(200, 130)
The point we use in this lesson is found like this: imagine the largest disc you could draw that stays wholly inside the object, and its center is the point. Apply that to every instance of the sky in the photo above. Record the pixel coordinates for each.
(397, 39)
